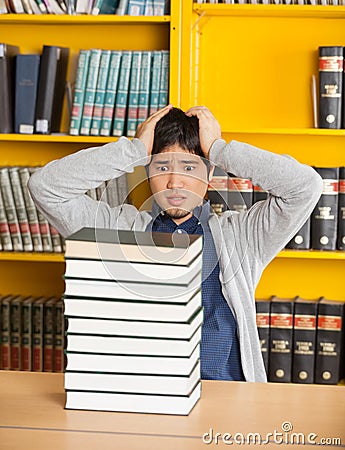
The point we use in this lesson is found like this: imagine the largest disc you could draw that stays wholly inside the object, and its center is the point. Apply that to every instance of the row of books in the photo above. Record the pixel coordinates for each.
(117, 90)
(276, 2)
(133, 308)
(94, 7)
(32, 89)
(114, 90)
(22, 225)
(323, 230)
(302, 340)
(31, 333)
(331, 87)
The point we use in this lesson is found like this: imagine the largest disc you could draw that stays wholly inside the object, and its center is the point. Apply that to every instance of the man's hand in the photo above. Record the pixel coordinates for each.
(145, 131)
(209, 128)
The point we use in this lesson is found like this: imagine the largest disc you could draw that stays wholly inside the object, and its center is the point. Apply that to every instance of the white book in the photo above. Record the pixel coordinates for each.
(34, 7)
(134, 364)
(132, 345)
(3, 7)
(172, 330)
(136, 246)
(154, 292)
(133, 272)
(122, 8)
(153, 404)
(133, 383)
(132, 310)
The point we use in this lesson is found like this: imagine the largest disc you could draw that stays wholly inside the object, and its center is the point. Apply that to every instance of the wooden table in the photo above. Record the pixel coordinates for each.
(32, 417)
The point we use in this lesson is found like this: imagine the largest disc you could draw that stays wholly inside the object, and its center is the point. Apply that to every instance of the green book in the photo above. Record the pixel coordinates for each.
(164, 84)
(122, 94)
(79, 91)
(144, 96)
(100, 92)
(110, 92)
(155, 80)
(90, 92)
(133, 101)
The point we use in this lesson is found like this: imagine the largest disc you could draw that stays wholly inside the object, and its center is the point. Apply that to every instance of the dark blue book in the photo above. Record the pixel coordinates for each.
(27, 70)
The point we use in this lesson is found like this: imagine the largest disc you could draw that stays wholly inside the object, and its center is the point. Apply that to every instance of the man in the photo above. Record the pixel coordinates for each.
(237, 246)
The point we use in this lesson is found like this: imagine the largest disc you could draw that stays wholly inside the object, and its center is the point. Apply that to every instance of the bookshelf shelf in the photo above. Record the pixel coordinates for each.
(50, 19)
(58, 257)
(289, 131)
(302, 11)
(312, 254)
(56, 138)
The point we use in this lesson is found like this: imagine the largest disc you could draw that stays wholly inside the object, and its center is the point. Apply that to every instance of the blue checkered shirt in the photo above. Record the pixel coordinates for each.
(220, 351)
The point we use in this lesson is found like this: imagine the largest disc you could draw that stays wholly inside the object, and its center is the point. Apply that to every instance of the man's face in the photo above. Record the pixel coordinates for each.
(178, 181)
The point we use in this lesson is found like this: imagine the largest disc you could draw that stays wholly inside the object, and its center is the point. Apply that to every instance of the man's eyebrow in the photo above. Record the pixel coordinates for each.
(190, 161)
(194, 161)
(183, 161)
(161, 161)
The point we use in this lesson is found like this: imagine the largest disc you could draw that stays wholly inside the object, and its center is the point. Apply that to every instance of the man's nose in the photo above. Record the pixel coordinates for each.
(175, 180)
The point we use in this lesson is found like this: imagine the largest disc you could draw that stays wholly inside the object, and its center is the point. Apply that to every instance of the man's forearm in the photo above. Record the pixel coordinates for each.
(68, 177)
(59, 188)
(281, 176)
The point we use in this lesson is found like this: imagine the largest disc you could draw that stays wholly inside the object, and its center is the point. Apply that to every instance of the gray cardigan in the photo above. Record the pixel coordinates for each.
(246, 242)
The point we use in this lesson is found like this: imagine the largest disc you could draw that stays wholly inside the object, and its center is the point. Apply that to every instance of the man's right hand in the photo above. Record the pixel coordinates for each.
(145, 131)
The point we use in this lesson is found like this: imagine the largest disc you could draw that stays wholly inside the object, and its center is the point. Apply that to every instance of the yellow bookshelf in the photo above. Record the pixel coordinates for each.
(41, 274)
(252, 66)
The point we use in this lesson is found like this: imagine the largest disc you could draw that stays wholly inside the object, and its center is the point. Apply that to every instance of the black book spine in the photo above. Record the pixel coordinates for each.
(48, 335)
(27, 70)
(60, 88)
(37, 335)
(281, 341)
(304, 342)
(240, 193)
(301, 240)
(325, 215)
(16, 321)
(218, 191)
(341, 210)
(331, 86)
(46, 87)
(263, 325)
(7, 71)
(329, 366)
(259, 194)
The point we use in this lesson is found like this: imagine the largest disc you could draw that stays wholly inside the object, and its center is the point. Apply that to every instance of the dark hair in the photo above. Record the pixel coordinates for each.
(177, 128)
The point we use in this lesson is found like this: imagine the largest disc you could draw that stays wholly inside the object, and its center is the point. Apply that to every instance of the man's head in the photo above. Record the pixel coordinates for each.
(178, 172)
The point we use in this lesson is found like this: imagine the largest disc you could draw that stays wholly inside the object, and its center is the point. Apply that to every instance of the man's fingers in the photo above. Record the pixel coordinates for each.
(198, 111)
(160, 113)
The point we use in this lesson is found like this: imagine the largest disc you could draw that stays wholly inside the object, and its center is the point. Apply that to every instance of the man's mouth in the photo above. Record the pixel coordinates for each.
(176, 200)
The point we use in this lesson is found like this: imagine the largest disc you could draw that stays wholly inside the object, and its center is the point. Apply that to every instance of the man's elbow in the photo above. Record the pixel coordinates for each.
(35, 186)
(315, 185)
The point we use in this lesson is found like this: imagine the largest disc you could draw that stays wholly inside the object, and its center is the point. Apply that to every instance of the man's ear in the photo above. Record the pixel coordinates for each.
(210, 173)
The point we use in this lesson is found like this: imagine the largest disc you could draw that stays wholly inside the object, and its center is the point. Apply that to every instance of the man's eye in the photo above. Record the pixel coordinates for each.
(189, 168)
(163, 168)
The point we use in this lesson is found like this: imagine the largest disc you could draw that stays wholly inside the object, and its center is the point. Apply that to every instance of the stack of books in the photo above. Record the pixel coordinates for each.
(134, 316)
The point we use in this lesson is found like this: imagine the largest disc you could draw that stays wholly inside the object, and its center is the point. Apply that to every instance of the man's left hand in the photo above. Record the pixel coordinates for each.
(209, 128)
